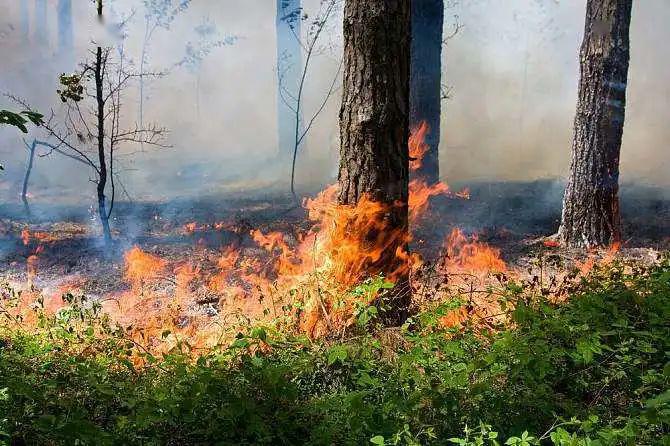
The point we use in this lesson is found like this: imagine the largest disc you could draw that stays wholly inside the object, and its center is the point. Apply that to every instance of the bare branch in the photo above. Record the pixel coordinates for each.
(331, 90)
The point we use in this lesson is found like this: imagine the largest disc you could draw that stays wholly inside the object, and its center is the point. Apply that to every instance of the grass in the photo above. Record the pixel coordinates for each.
(592, 371)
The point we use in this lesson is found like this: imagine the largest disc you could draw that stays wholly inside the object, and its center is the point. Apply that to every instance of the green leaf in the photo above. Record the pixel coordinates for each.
(378, 439)
(240, 343)
(337, 353)
(34, 117)
(387, 285)
(17, 119)
(259, 333)
(46, 422)
(13, 119)
(659, 400)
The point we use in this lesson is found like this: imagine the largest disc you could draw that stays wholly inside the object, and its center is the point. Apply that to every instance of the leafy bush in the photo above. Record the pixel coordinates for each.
(591, 371)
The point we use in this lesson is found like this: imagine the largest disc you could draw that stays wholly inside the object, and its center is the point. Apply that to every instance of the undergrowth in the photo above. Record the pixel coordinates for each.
(591, 371)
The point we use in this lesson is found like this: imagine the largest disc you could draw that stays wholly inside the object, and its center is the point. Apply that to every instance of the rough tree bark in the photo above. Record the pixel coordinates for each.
(425, 80)
(591, 202)
(374, 123)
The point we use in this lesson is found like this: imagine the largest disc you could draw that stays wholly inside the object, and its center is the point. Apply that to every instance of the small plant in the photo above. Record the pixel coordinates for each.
(369, 299)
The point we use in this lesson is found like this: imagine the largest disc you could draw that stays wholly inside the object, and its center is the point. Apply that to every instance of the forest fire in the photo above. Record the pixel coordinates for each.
(420, 192)
(471, 255)
(141, 267)
(305, 274)
(255, 287)
(308, 275)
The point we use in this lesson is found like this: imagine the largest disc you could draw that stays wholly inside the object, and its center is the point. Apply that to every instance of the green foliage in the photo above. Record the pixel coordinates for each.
(369, 299)
(73, 89)
(19, 120)
(593, 371)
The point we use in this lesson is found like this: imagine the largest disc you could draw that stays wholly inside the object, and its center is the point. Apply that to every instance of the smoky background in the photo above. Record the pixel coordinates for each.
(511, 72)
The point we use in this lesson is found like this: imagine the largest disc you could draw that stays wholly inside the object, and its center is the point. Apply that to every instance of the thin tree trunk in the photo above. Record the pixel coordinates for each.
(289, 71)
(374, 126)
(100, 114)
(26, 178)
(591, 202)
(426, 80)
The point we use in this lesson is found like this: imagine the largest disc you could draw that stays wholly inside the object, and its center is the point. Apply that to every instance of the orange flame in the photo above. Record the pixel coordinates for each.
(592, 260)
(316, 267)
(25, 236)
(142, 266)
(420, 192)
(471, 255)
(418, 146)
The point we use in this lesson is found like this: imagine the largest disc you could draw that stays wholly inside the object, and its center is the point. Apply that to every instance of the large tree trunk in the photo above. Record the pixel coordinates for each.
(426, 80)
(591, 202)
(289, 71)
(374, 126)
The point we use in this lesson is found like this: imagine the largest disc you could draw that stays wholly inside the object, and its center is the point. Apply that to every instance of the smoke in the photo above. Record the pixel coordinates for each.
(512, 70)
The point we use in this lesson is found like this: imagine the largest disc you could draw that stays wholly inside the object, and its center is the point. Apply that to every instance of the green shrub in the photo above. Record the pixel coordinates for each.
(592, 371)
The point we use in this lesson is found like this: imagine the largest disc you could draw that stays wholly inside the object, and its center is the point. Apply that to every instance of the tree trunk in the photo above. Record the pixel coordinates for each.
(289, 70)
(100, 115)
(426, 80)
(26, 178)
(591, 202)
(374, 126)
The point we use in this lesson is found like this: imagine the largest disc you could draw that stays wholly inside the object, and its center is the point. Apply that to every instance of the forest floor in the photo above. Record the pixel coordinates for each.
(63, 243)
(58, 250)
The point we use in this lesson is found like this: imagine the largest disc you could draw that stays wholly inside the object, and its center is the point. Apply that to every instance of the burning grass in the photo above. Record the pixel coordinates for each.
(306, 277)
